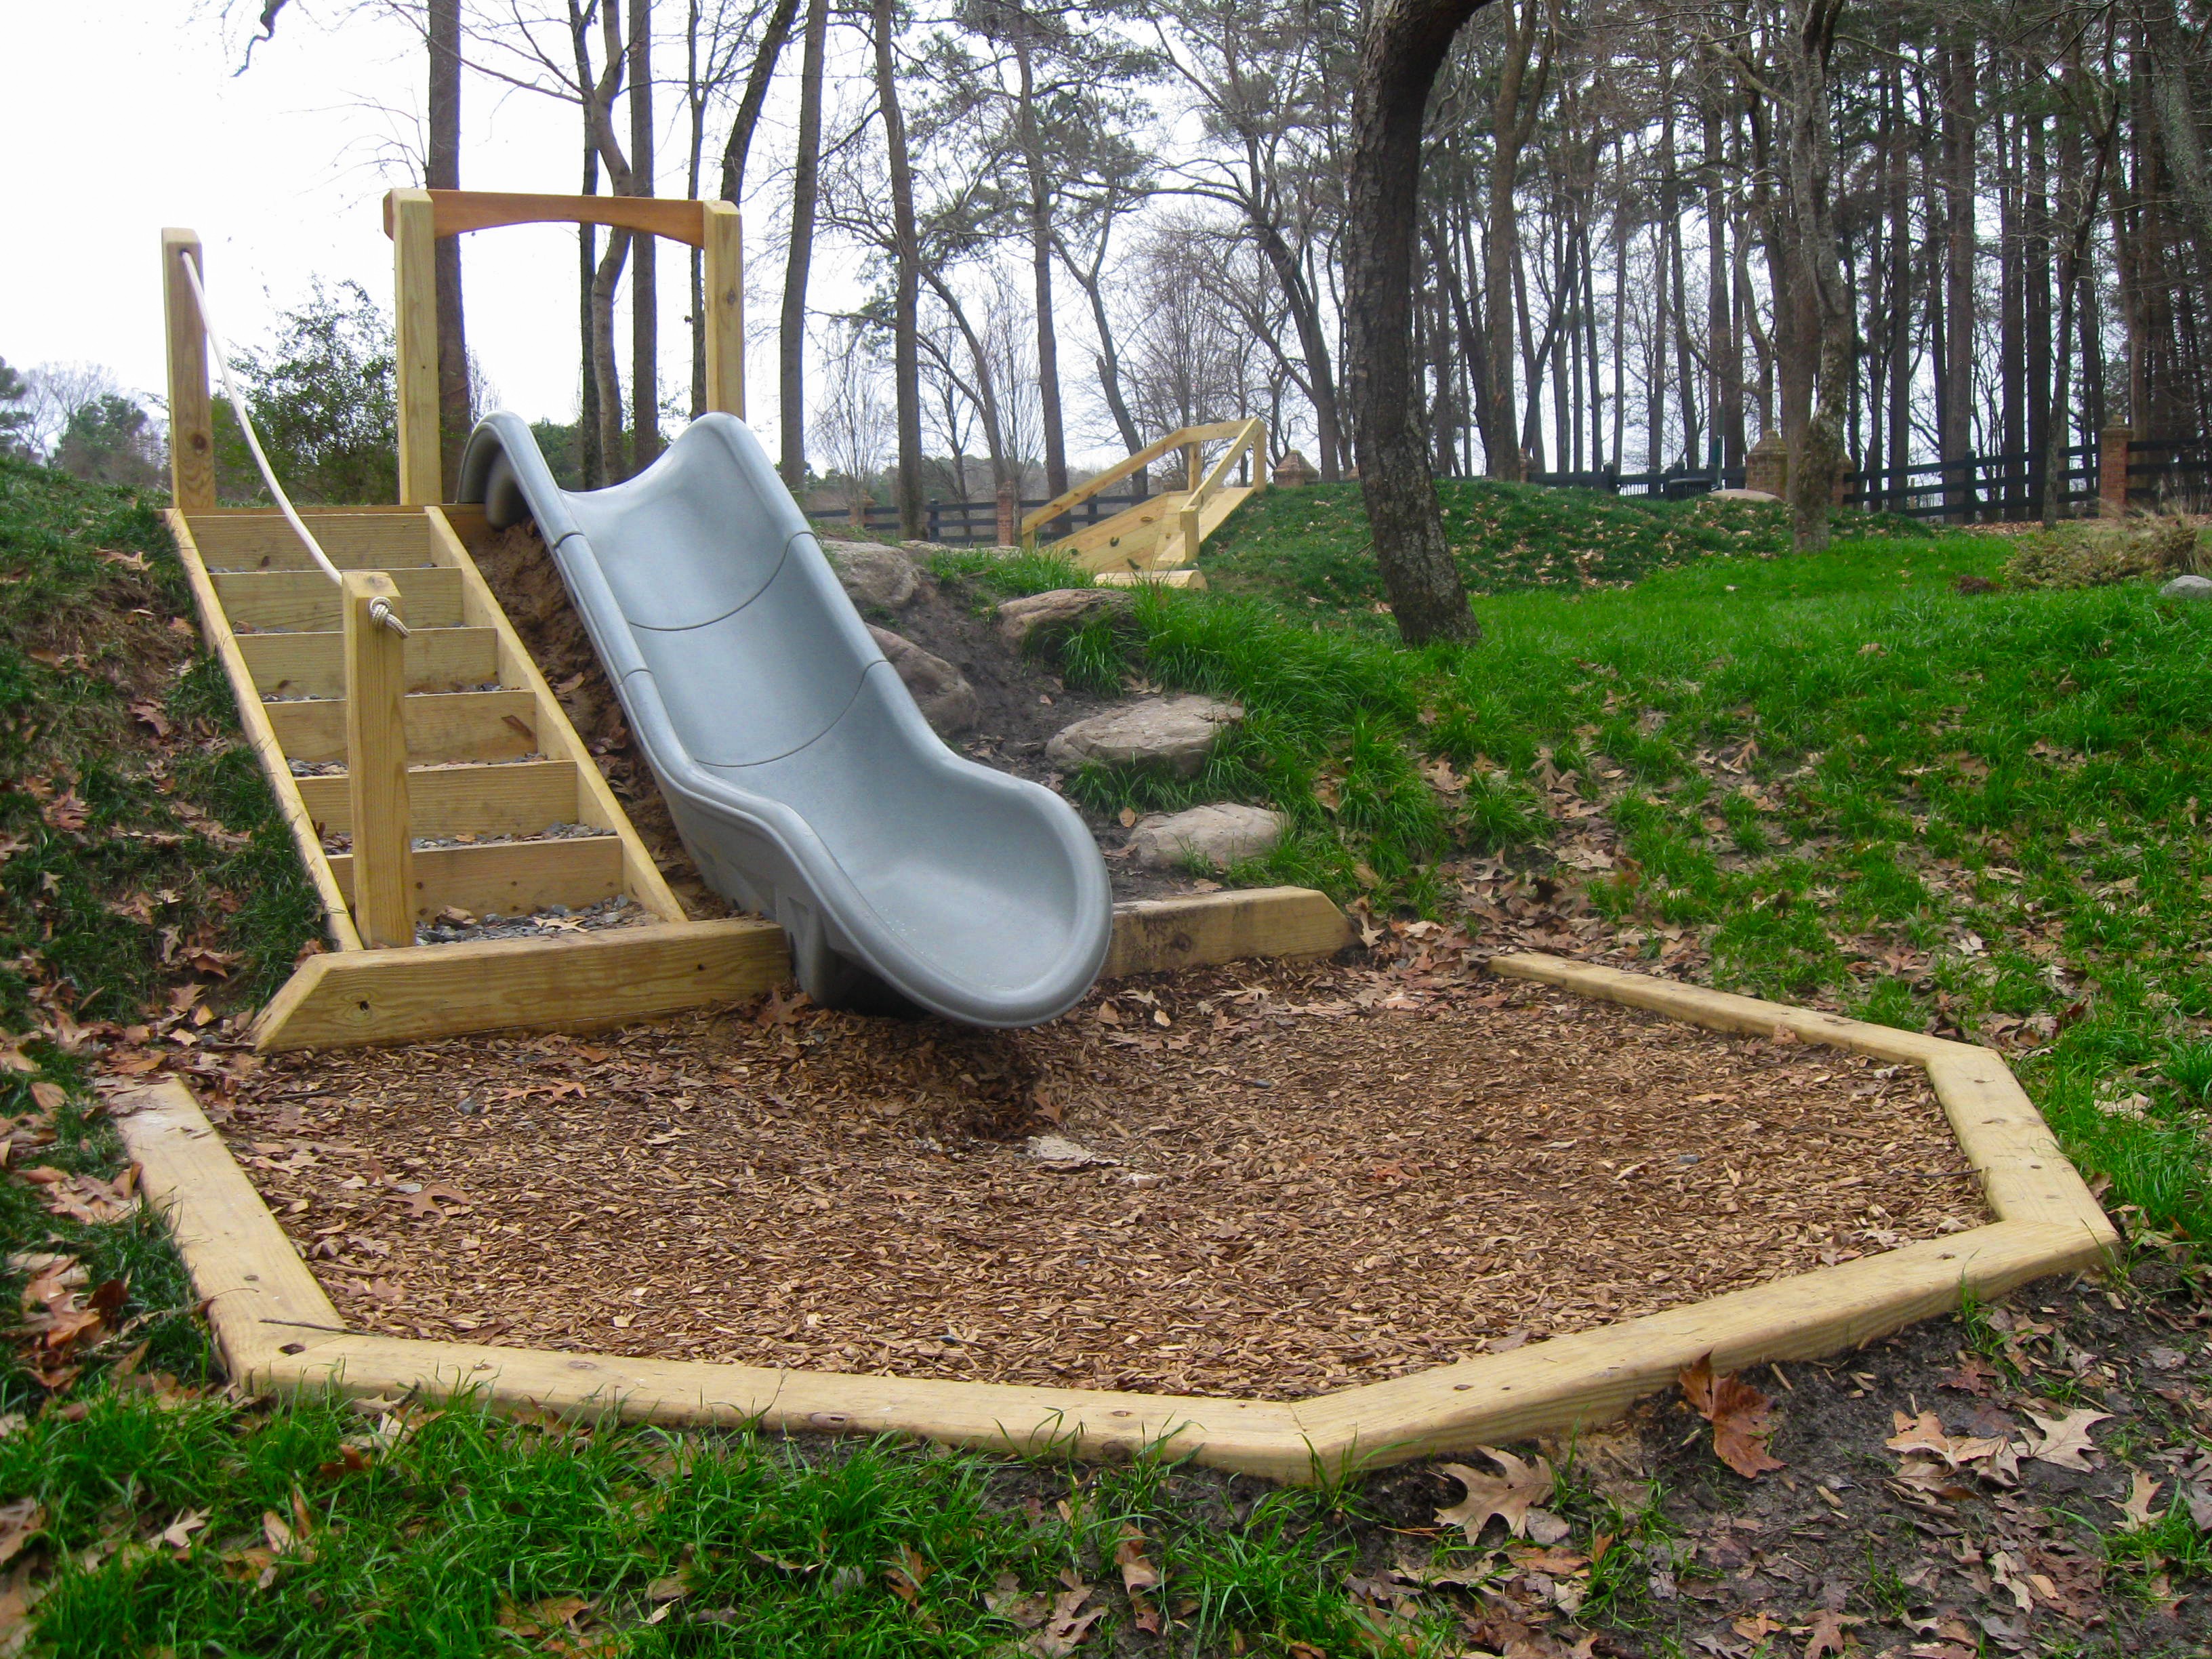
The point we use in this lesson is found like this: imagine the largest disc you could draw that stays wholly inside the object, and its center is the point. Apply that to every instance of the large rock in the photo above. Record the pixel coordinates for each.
(1174, 732)
(947, 702)
(1034, 620)
(1216, 835)
(877, 577)
(2186, 588)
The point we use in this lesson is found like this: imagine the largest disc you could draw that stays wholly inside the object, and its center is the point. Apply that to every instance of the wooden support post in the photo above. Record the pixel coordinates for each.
(1187, 527)
(192, 416)
(2113, 453)
(724, 283)
(376, 763)
(1190, 470)
(414, 241)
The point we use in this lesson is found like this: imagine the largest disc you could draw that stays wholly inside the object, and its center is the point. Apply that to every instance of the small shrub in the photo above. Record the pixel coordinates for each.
(2098, 552)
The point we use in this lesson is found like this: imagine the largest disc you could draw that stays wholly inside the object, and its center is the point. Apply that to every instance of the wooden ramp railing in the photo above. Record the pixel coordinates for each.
(1158, 539)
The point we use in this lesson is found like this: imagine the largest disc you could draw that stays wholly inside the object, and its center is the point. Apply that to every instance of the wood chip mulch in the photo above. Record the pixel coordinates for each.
(1266, 1180)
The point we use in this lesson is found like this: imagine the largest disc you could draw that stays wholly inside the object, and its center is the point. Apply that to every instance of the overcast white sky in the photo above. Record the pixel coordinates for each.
(123, 116)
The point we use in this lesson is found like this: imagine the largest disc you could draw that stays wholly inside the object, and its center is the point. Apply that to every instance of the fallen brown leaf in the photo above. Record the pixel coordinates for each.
(1739, 1414)
(19, 1523)
(2064, 1441)
(1507, 1498)
(2135, 1509)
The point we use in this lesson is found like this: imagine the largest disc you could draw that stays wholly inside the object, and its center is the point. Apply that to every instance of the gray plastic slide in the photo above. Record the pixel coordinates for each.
(803, 780)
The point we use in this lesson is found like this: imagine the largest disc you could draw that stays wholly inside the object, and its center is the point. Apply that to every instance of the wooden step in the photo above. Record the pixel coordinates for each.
(455, 726)
(393, 539)
(304, 601)
(313, 665)
(510, 877)
(521, 798)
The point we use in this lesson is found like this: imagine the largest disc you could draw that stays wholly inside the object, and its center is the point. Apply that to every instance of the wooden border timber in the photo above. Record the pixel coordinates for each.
(592, 981)
(277, 1330)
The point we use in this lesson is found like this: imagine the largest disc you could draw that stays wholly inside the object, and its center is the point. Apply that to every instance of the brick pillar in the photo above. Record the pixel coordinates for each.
(2112, 456)
(1766, 467)
(1007, 503)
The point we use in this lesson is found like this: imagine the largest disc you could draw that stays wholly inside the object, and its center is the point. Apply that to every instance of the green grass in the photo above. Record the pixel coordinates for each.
(121, 853)
(1309, 545)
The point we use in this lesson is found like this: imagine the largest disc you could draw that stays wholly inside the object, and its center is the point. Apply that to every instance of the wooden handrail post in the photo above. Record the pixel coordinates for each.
(192, 414)
(1187, 527)
(414, 243)
(1190, 473)
(376, 763)
(724, 283)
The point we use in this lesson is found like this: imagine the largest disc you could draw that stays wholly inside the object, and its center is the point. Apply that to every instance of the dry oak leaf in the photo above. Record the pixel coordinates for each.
(2135, 1509)
(2063, 1440)
(1739, 1414)
(1008, 1601)
(1066, 1625)
(19, 1523)
(1826, 1634)
(1508, 1498)
(1925, 1433)
(545, 1618)
(1138, 1576)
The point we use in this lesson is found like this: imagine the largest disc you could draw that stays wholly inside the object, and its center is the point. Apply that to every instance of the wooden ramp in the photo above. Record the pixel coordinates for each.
(1158, 539)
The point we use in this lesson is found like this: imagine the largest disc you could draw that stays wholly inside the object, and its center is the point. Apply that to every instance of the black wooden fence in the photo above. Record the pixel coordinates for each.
(968, 524)
(2163, 474)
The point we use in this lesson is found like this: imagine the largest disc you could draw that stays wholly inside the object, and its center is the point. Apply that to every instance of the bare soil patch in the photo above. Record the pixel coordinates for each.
(1282, 1180)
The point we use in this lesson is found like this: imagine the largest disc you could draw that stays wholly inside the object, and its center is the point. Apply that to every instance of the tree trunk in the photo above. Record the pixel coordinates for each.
(614, 445)
(644, 296)
(1512, 119)
(773, 33)
(1823, 301)
(791, 346)
(906, 348)
(1040, 227)
(1402, 45)
(1957, 436)
(442, 171)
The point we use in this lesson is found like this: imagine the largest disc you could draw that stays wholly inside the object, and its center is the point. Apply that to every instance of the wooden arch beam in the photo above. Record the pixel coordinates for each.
(416, 219)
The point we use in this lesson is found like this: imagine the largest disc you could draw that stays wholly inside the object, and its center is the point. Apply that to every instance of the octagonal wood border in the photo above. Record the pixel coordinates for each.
(277, 1330)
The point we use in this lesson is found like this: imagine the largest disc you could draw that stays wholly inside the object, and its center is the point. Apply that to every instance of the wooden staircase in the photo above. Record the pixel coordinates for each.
(493, 764)
(1158, 539)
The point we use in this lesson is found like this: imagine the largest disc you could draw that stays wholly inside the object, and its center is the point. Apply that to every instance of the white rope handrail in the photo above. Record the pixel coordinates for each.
(377, 609)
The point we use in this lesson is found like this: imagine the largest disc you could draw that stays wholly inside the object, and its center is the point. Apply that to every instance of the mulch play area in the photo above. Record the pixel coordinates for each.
(1266, 1180)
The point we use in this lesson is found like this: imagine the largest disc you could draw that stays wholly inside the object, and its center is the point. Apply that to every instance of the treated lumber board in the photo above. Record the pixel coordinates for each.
(1722, 1011)
(263, 735)
(381, 867)
(1188, 439)
(258, 1295)
(1253, 1437)
(1154, 936)
(313, 665)
(2025, 1175)
(358, 538)
(452, 725)
(520, 798)
(455, 212)
(595, 801)
(1571, 1382)
(411, 218)
(1185, 577)
(586, 981)
(192, 413)
(1129, 536)
(510, 877)
(722, 284)
(1179, 547)
(303, 601)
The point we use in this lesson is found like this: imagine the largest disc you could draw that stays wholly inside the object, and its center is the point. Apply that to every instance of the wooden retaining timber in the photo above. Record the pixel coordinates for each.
(278, 1331)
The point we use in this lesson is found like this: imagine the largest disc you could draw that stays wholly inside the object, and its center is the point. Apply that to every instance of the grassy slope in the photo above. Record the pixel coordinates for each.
(1311, 545)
